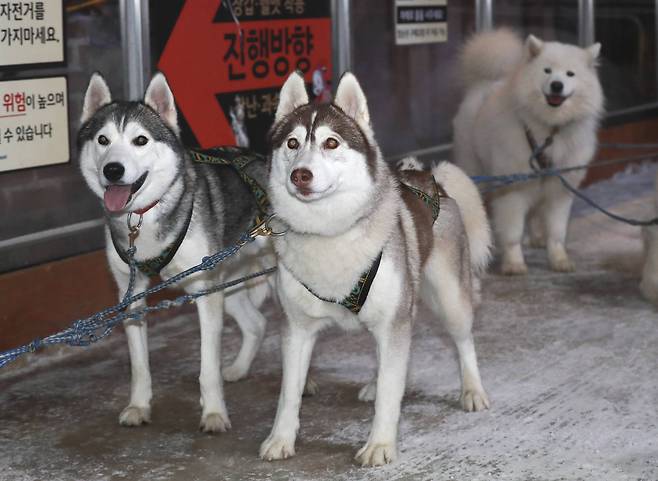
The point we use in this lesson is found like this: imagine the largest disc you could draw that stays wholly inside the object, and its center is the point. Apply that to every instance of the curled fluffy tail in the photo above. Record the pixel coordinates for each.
(490, 56)
(461, 188)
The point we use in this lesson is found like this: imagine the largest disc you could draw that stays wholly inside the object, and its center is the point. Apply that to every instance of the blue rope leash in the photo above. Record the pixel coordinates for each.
(84, 332)
(498, 181)
(600, 208)
(591, 202)
(627, 146)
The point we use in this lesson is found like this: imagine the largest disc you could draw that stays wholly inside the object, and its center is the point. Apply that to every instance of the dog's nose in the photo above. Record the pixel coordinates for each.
(113, 171)
(302, 178)
(557, 87)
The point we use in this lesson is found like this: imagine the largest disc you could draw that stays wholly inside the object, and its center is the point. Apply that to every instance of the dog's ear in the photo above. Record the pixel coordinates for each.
(593, 52)
(533, 46)
(351, 99)
(293, 94)
(159, 97)
(98, 94)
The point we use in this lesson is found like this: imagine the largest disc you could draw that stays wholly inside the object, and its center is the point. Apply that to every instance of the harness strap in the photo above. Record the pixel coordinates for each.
(152, 267)
(359, 294)
(357, 297)
(432, 201)
(236, 157)
(538, 150)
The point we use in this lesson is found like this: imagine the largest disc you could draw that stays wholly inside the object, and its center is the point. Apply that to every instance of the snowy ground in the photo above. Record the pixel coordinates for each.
(569, 361)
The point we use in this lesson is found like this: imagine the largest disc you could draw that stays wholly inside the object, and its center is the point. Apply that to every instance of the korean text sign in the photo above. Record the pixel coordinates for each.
(33, 123)
(31, 32)
(226, 76)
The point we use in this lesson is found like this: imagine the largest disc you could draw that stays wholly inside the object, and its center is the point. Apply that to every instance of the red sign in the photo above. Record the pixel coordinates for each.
(221, 78)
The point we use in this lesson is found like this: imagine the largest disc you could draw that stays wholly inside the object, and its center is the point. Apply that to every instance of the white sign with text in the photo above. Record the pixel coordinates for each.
(31, 32)
(420, 21)
(33, 123)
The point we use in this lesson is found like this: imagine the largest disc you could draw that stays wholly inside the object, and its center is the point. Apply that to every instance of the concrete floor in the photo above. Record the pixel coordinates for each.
(569, 362)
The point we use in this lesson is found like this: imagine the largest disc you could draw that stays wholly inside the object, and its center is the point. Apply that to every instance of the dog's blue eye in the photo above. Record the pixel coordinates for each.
(547, 70)
(293, 143)
(570, 73)
(140, 141)
(103, 140)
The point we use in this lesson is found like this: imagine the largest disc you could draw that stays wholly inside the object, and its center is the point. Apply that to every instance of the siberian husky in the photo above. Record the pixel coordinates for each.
(132, 159)
(347, 213)
(517, 96)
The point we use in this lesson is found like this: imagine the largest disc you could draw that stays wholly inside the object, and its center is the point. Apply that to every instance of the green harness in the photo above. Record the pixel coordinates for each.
(359, 294)
(236, 157)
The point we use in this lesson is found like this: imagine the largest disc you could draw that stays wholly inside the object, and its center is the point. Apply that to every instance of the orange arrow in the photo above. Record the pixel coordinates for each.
(201, 59)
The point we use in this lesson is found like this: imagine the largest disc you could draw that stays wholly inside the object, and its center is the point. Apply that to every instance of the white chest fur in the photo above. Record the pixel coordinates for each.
(331, 266)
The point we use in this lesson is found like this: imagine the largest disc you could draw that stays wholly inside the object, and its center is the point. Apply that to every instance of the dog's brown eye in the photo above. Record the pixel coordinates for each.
(103, 140)
(293, 143)
(330, 143)
(570, 73)
(547, 70)
(140, 141)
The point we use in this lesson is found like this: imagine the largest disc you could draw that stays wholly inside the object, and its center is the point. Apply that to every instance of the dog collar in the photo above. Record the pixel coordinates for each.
(145, 209)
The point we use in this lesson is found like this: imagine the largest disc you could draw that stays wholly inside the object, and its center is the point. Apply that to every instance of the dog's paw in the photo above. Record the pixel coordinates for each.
(473, 400)
(277, 447)
(214, 423)
(376, 454)
(135, 416)
(311, 387)
(234, 372)
(368, 392)
(562, 264)
(514, 268)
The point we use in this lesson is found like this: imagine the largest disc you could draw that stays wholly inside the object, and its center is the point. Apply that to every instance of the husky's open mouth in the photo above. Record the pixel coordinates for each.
(117, 196)
(555, 100)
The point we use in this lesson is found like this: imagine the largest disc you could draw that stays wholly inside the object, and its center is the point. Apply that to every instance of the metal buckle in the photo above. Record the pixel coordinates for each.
(133, 230)
(263, 228)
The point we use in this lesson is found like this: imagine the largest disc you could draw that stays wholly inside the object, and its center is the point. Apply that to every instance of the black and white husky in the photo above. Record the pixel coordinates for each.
(132, 158)
(348, 215)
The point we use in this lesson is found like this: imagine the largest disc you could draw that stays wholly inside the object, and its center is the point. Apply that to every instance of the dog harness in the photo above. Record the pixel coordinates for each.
(538, 150)
(359, 293)
(236, 157)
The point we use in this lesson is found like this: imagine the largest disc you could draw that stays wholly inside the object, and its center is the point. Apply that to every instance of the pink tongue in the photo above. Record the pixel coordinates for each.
(555, 99)
(116, 197)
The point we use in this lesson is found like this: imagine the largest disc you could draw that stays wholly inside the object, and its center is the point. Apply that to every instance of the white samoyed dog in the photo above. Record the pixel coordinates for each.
(519, 95)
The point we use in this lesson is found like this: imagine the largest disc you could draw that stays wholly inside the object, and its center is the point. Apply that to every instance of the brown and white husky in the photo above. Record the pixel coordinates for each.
(348, 213)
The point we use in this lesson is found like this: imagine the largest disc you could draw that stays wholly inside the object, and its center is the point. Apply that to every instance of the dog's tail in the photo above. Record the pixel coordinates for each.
(461, 188)
(490, 56)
